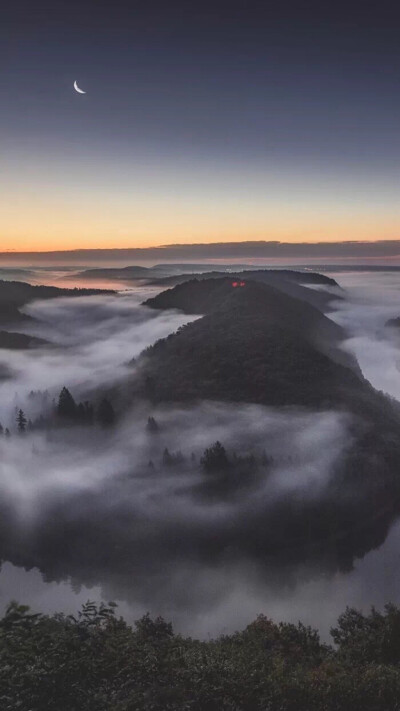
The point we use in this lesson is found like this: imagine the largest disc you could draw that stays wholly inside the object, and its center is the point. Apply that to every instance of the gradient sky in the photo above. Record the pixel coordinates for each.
(221, 122)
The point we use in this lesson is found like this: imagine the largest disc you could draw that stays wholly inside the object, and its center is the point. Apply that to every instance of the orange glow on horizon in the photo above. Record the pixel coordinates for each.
(19, 243)
(41, 220)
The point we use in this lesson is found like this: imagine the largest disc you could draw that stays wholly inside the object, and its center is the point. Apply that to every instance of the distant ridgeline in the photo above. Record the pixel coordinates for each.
(258, 344)
(286, 280)
(19, 341)
(15, 294)
(254, 343)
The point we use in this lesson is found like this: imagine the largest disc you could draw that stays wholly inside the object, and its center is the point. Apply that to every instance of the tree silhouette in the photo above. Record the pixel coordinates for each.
(80, 412)
(167, 458)
(150, 388)
(215, 458)
(105, 413)
(152, 425)
(66, 404)
(21, 421)
(89, 412)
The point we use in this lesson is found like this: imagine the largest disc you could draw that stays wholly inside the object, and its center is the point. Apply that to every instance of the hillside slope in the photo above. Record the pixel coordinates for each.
(257, 301)
(256, 344)
(15, 294)
(19, 341)
(291, 282)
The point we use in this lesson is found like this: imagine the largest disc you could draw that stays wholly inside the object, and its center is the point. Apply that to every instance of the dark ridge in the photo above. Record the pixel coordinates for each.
(15, 294)
(20, 341)
(393, 322)
(268, 275)
(253, 344)
(293, 283)
(266, 303)
(133, 272)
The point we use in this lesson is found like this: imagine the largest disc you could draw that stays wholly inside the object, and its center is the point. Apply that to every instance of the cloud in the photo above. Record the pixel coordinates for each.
(89, 507)
(372, 299)
(94, 339)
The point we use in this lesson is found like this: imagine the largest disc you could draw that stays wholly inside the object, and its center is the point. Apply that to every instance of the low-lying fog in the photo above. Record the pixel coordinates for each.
(88, 507)
(373, 299)
(93, 339)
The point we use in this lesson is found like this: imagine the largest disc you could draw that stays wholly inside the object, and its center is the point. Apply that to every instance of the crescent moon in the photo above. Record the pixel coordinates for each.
(76, 87)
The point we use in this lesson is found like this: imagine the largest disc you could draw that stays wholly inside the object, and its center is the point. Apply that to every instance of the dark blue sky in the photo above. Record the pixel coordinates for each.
(290, 111)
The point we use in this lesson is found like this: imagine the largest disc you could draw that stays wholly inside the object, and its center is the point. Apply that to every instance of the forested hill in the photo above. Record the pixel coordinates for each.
(254, 344)
(295, 284)
(19, 341)
(204, 296)
(259, 302)
(269, 276)
(15, 294)
(257, 345)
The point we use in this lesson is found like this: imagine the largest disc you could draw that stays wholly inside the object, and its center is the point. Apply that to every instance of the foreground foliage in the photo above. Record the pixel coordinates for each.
(96, 662)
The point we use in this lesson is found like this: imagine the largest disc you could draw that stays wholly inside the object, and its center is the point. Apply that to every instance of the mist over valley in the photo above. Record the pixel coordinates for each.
(284, 371)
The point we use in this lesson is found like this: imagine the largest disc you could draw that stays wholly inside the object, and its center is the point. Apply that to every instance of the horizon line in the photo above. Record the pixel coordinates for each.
(325, 245)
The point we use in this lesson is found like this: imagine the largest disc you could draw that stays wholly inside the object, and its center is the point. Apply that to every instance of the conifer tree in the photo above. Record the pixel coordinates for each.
(215, 458)
(89, 412)
(66, 404)
(21, 422)
(152, 425)
(167, 458)
(80, 412)
(105, 413)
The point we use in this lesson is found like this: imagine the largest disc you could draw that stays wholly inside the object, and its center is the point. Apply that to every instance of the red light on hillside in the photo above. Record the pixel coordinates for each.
(242, 283)
(235, 284)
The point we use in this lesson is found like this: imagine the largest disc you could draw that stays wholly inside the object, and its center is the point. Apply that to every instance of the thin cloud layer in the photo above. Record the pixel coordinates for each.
(371, 300)
(93, 338)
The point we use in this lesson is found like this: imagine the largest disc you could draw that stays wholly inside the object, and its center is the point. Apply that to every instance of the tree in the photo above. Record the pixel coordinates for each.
(105, 413)
(215, 458)
(66, 405)
(21, 422)
(80, 412)
(95, 660)
(167, 458)
(265, 459)
(150, 388)
(1, 429)
(152, 425)
(89, 412)
(7, 432)
(363, 639)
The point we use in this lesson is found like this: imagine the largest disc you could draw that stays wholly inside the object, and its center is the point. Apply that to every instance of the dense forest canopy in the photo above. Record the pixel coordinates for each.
(94, 661)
